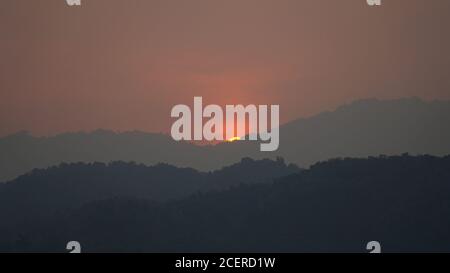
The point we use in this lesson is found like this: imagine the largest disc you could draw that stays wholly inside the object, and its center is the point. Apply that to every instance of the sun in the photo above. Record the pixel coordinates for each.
(233, 139)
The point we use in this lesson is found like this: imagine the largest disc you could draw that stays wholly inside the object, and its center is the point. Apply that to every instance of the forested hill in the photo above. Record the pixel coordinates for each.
(335, 206)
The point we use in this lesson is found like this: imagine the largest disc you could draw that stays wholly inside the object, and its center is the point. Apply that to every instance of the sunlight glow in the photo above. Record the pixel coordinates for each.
(233, 139)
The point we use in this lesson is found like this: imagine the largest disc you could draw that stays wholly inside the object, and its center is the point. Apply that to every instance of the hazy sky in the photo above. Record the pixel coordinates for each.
(123, 64)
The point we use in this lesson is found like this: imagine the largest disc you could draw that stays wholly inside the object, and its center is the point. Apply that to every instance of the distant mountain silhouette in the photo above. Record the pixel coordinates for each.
(22, 152)
(41, 193)
(335, 206)
(363, 128)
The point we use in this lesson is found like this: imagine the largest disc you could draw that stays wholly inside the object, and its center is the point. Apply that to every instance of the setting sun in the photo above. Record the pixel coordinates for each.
(233, 139)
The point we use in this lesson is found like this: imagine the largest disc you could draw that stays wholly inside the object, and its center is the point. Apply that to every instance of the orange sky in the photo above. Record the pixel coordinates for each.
(122, 65)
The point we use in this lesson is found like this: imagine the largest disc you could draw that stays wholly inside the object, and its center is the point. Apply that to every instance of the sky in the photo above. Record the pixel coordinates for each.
(123, 64)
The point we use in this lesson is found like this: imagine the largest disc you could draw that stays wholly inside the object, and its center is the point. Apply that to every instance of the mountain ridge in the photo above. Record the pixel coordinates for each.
(42, 192)
(334, 206)
(358, 129)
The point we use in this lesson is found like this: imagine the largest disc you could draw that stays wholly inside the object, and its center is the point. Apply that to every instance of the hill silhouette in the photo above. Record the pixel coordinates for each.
(42, 192)
(335, 206)
(362, 128)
